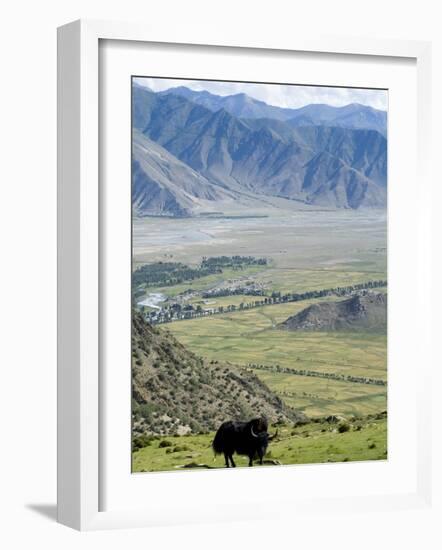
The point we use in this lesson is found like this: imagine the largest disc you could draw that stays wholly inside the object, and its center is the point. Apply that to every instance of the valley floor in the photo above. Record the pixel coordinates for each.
(251, 339)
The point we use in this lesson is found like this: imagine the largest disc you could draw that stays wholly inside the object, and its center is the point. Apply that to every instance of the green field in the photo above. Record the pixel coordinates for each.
(244, 337)
(311, 443)
(303, 280)
(250, 337)
(316, 396)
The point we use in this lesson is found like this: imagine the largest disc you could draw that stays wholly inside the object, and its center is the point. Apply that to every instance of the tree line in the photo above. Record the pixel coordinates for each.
(175, 273)
(318, 374)
(177, 312)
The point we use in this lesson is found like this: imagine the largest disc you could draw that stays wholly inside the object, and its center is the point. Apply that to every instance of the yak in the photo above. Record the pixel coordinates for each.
(244, 438)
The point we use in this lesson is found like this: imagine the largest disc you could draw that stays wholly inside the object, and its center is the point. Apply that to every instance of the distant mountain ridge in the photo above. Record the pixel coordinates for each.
(352, 116)
(325, 166)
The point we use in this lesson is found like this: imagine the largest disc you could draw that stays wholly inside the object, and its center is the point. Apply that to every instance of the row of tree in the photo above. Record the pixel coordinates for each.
(318, 374)
(174, 273)
(176, 312)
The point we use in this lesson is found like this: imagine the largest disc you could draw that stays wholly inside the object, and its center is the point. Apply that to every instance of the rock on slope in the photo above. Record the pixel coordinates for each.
(358, 312)
(174, 391)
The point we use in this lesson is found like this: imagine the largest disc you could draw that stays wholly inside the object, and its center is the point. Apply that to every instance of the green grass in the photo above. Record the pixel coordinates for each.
(317, 396)
(313, 443)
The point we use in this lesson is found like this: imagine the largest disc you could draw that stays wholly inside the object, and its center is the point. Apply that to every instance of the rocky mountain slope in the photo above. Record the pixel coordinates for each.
(174, 391)
(162, 184)
(368, 312)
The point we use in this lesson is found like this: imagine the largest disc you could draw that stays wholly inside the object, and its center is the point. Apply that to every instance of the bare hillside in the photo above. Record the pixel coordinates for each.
(358, 312)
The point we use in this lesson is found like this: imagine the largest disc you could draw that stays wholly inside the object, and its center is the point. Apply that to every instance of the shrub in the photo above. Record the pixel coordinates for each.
(146, 410)
(141, 441)
(343, 428)
(164, 443)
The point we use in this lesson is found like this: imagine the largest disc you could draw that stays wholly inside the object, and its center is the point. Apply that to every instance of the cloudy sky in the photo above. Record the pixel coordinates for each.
(276, 94)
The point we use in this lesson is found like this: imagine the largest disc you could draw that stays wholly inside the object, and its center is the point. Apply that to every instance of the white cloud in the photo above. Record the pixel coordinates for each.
(293, 96)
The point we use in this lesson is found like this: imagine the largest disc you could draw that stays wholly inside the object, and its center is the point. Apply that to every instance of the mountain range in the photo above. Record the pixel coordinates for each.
(241, 105)
(197, 153)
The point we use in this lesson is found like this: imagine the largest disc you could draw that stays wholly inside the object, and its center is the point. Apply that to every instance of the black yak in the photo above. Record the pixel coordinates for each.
(244, 438)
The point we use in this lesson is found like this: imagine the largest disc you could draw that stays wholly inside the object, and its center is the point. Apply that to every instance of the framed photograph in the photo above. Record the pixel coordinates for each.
(239, 222)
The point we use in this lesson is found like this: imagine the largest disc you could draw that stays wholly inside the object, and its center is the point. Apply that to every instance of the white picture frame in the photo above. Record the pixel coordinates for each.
(79, 264)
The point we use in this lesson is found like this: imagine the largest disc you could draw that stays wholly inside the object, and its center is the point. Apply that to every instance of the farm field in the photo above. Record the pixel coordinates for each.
(304, 280)
(316, 442)
(317, 396)
(250, 338)
(245, 337)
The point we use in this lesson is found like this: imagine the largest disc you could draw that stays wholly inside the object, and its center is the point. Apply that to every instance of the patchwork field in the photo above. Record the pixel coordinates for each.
(251, 337)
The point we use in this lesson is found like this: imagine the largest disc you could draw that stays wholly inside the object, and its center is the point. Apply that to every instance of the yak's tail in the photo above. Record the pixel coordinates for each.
(218, 443)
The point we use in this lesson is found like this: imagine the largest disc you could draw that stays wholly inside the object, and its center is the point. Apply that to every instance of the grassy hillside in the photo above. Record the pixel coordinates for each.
(315, 442)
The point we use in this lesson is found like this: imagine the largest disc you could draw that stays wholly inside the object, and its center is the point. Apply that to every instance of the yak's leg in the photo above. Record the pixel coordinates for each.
(250, 460)
(231, 460)
(226, 458)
